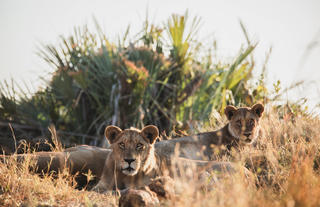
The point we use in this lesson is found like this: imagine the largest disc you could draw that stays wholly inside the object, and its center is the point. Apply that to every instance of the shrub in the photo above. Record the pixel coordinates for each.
(157, 78)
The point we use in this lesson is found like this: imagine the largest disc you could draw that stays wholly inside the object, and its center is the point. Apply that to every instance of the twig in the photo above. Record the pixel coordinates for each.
(14, 137)
(54, 138)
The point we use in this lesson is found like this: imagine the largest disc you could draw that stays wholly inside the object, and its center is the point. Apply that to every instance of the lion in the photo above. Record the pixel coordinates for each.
(77, 160)
(133, 162)
(242, 129)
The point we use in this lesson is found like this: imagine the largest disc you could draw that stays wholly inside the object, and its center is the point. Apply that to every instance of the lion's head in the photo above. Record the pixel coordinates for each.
(132, 149)
(244, 122)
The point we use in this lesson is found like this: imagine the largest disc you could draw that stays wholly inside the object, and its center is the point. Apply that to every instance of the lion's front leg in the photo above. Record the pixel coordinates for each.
(107, 180)
(103, 187)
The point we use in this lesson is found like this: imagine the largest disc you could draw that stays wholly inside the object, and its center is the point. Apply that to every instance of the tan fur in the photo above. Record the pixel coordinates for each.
(143, 197)
(79, 160)
(132, 162)
(144, 164)
(161, 188)
(242, 129)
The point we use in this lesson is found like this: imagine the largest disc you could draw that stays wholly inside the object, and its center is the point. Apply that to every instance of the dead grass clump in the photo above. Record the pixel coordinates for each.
(303, 185)
(283, 163)
(20, 187)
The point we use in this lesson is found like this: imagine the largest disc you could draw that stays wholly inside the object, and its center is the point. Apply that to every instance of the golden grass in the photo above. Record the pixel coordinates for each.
(287, 175)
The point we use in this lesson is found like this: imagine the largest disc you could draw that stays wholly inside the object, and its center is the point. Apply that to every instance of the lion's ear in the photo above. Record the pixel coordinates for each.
(150, 133)
(111, 133)
(258, 109)
(229, 111)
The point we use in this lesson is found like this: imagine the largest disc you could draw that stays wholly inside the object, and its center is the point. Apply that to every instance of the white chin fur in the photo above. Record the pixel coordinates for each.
(130, 173)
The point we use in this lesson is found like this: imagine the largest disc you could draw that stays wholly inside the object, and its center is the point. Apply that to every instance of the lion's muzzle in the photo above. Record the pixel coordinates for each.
(129, 167)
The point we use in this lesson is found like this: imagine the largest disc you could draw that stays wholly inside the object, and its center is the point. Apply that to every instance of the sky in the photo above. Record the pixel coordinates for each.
(290, 27)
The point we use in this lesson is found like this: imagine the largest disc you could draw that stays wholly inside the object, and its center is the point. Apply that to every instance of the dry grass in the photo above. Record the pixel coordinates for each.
(287, 175)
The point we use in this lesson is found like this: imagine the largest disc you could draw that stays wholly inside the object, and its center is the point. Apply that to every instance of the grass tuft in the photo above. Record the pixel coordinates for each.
(283, 163)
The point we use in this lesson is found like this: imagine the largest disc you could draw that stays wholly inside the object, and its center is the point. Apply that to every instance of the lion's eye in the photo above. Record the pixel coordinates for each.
(239, 123)
(251, 122)
(121, 145)
(140, 146)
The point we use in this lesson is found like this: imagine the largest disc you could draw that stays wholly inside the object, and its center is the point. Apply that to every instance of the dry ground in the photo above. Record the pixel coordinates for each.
(287, 175)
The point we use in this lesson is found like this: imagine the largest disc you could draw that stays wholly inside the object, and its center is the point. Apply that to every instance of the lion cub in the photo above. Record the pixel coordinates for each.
(242, 129)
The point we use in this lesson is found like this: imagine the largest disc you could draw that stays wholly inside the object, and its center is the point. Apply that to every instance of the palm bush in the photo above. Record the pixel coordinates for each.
(157, 78)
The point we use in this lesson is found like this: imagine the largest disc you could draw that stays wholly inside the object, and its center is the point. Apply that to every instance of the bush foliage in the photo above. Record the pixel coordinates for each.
(158, 77)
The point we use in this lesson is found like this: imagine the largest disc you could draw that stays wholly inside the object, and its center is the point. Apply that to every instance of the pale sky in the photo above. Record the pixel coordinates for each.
(289, 26)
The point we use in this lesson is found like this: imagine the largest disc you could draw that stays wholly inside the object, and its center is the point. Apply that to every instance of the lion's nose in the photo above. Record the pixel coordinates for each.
(247, 134)
(129, 160)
